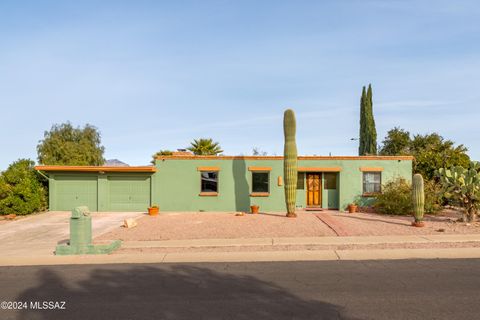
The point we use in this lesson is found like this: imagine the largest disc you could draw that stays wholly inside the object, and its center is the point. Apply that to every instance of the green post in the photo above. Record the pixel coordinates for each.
(290, 162)
(81, 236)
(80, 227)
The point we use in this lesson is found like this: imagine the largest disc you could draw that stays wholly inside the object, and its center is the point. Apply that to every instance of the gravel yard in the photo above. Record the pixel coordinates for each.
(372, 224)
(208, 225)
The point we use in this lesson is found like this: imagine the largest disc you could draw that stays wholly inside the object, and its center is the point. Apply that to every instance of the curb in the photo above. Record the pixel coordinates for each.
(266, 256)
(362, 240)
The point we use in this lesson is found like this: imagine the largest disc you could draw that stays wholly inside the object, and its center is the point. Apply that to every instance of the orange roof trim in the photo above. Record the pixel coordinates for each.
(253, 168)
(319, 169)
(185, 157)
(208, 168)
(371, 169)
(96, 169)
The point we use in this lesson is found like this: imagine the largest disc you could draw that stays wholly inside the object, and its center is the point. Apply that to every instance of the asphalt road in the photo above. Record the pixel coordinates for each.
(406, 289)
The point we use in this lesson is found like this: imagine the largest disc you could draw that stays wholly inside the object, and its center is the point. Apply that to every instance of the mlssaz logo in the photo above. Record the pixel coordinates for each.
(47, 305)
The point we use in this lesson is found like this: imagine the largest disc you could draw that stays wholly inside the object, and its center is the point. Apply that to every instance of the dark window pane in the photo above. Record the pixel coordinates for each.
(372, 182)
(209, 181)
(301, 181)
(330, 180)
(260, 181)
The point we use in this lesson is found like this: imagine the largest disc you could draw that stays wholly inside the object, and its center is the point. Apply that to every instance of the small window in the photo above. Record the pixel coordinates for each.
(330, 180)
(209, 181)
(260, 182)
(301, 181)
(372, 182)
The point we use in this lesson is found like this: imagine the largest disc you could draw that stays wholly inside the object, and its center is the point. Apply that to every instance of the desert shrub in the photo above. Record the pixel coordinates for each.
(21, 191)
(396, 198)
(433, 197)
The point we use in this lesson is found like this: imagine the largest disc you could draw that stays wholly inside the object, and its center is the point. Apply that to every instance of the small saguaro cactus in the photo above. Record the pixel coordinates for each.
(290, 162)
(418, 197)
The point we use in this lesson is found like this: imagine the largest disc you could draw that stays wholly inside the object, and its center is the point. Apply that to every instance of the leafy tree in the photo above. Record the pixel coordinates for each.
(160, 153)
(66, 145)
(430, 151)
(397, 142)
(368, 132)
(205, 147)
(21, 191)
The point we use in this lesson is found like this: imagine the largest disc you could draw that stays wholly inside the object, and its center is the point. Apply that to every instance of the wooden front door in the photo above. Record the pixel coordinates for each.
(314, 189)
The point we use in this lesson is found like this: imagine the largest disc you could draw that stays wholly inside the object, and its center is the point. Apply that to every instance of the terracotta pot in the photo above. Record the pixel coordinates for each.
(153, 211)
(254, 209)
(418, 224)
(352, 208)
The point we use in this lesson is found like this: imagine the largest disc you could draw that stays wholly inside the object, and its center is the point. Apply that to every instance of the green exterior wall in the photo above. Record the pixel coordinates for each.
(177, 183)
(100, 192)
(73, 190)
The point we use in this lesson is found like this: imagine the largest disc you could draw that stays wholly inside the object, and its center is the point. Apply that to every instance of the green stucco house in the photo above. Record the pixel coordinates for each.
(223, 183)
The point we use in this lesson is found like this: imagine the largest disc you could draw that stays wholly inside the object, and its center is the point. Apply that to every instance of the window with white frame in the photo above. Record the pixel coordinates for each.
(372, 182)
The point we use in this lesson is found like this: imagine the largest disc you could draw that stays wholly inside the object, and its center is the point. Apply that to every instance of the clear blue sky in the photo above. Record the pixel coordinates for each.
(155, 74)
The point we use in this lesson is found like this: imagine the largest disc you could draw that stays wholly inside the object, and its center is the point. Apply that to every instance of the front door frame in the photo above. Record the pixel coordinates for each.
(319, 190)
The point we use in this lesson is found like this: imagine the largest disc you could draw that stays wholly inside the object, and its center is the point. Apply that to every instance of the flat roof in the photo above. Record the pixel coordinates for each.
(190, 157)
(97, 168)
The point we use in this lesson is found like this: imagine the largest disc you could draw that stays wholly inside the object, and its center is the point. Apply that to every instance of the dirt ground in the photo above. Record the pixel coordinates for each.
(207, 225)
(372, 224)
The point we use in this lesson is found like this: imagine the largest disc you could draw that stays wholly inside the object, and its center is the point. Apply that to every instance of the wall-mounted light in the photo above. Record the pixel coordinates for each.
(280, 181)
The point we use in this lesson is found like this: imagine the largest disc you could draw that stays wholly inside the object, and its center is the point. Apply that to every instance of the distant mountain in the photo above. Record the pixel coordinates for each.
(115, 163)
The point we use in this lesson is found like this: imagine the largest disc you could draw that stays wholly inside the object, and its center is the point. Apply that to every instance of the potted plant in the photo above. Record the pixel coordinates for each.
(352, 207)
(153, 210)
(254, 208)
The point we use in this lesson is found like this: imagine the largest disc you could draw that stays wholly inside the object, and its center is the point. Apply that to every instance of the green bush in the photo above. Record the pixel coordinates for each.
(21, 191)
(396, 198)
(433, 197)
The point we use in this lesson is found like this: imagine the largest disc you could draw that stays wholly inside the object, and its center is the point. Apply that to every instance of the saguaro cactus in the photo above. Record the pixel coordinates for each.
(290, 162)
(418, 198)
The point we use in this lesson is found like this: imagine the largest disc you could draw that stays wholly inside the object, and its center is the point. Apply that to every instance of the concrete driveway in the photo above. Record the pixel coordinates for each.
(39, 234)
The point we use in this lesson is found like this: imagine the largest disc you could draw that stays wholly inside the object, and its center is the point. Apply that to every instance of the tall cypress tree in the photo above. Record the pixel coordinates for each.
(362, 135)
(371, 147)
(368, 132)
